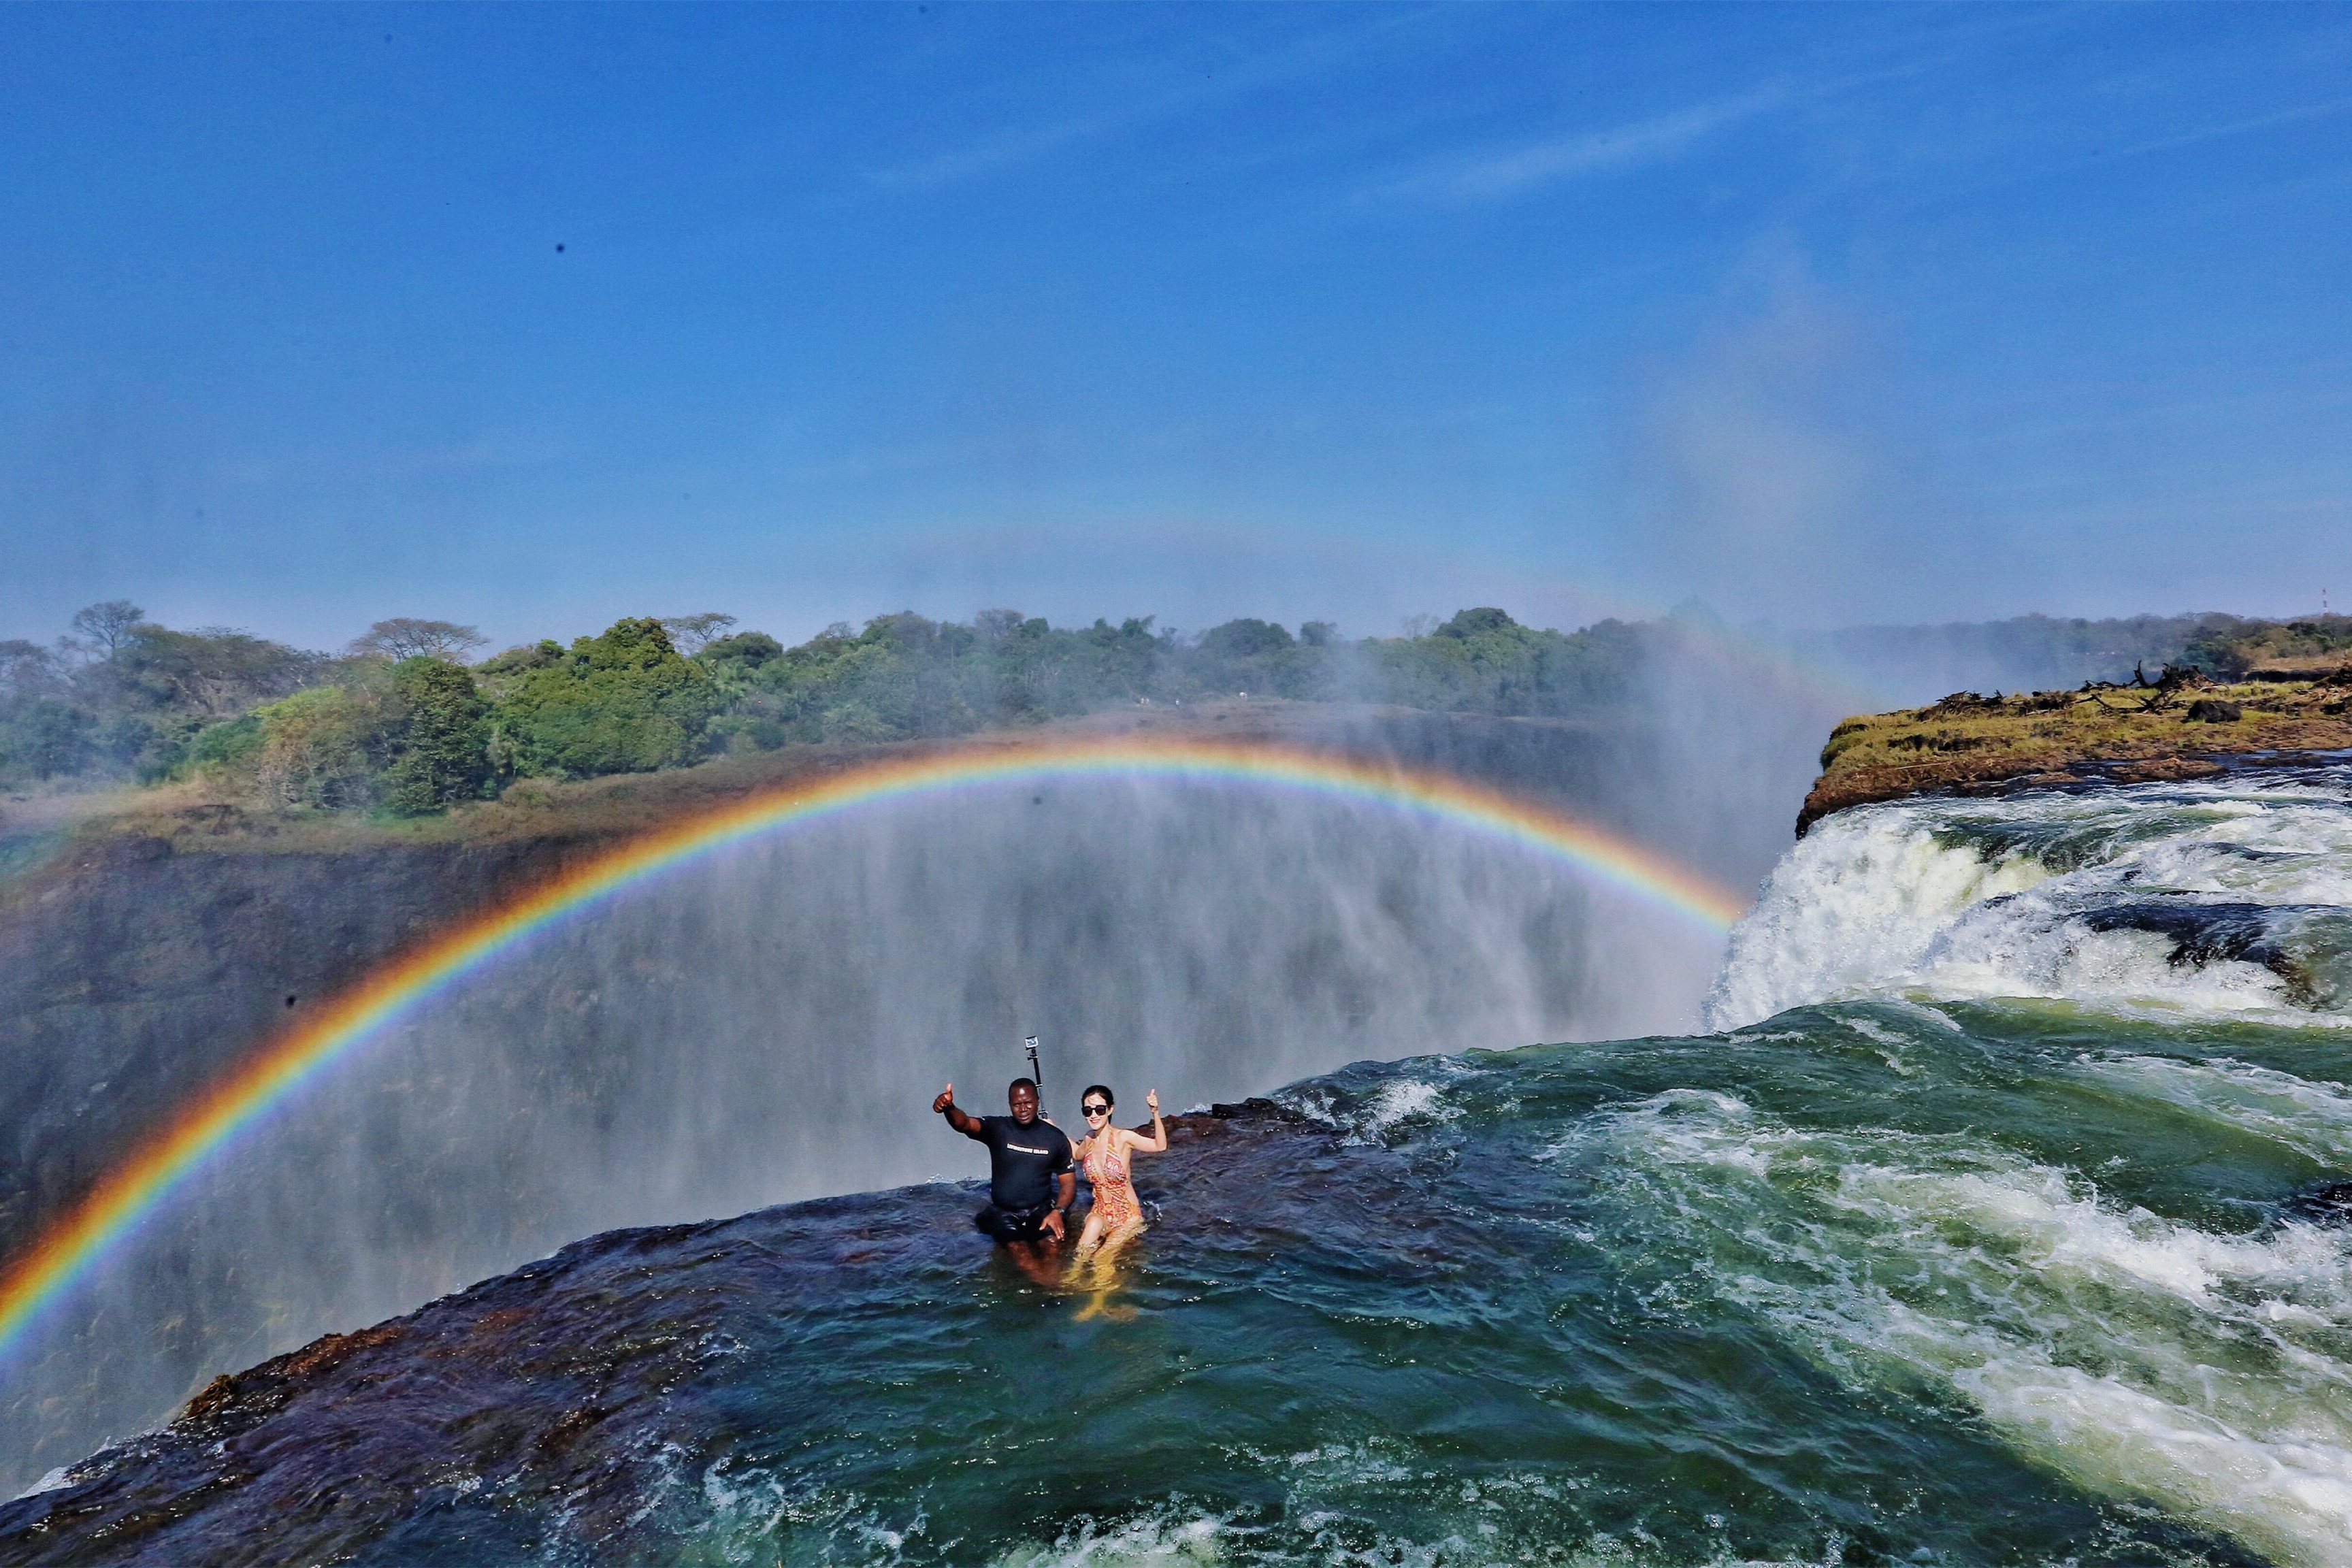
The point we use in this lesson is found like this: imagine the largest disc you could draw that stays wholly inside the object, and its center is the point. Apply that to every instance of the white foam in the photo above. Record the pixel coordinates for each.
(744, 1512)
(1855, 905)
(1329, 1538)
(1405, 1100)
(1398, 1103)
(1161, 1536)
(2292, 1500)
(2136, 1355)
(2311, 1118)
(1991, 898)
(56, 1480)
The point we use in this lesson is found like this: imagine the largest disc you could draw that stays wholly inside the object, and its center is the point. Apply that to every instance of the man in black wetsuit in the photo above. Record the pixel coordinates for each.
(1031, 1181)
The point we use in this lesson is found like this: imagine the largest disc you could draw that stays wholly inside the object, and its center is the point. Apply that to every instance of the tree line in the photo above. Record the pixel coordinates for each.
(2230, 648)
(404, 720)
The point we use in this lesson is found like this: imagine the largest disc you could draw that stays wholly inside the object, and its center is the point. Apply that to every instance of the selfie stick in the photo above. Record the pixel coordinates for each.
(1035, 1076)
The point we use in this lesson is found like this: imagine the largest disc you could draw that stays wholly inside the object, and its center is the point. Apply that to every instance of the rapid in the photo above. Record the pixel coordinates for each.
(1992, 1221)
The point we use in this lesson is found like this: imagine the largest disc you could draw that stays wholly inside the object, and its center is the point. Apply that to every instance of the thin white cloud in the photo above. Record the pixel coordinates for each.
(2297, 115)
(1020, 145)
(1125, 108)
(1498, 176)
(1500, 173)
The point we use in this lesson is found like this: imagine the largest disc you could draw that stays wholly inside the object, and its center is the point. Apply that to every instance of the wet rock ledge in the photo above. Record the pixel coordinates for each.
(2178, 727)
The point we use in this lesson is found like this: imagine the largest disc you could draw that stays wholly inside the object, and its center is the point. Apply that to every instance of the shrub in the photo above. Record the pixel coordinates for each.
(231, 747)
(314, 749)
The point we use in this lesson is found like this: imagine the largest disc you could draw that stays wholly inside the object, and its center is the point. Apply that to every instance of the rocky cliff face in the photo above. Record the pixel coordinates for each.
(137, 967)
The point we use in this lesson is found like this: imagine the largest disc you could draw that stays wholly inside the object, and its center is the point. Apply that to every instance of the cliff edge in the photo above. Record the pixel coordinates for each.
(2182, 726)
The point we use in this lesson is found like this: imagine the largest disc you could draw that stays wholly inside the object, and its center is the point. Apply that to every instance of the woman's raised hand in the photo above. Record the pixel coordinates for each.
(1151, 1101)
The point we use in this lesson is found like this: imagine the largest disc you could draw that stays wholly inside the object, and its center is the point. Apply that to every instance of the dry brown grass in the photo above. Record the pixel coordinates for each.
(2134, 732)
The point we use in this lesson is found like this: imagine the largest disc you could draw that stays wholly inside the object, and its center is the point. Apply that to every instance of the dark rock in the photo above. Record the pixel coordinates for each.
(2330, 1205)
(234, 1401)
(1963, 705)
(1256, 1108)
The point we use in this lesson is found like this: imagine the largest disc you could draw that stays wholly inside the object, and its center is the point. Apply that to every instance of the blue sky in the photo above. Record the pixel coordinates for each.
(1822, 315)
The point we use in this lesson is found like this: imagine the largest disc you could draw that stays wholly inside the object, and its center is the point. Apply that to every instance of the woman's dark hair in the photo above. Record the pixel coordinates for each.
(1102, 1088)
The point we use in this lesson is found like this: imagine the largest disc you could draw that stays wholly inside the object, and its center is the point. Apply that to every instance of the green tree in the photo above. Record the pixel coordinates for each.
(691, 633)
(1247, 655)
(315, 750)
(48, 740)
(623, 701)
(439, 742)
(214, 672)
(406, 637)
(104, 628)
(1482, 661)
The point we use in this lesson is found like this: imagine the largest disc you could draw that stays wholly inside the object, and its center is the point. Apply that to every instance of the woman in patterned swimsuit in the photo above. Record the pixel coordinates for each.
(1104, 1152)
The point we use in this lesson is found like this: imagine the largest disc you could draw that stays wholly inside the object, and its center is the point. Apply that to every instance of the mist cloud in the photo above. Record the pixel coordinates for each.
(1770, 476)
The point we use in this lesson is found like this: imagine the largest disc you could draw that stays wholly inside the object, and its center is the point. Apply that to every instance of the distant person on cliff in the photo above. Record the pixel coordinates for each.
(1031, 1179)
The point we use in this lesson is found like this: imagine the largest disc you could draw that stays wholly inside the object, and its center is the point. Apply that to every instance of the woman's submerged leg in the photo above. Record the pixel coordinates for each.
(1095, 1270)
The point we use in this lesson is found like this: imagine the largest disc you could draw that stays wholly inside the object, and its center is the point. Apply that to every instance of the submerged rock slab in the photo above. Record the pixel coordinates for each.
(537, 1405)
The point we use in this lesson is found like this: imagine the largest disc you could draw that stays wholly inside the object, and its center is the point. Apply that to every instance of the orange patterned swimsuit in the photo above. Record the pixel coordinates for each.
(1115, 1203)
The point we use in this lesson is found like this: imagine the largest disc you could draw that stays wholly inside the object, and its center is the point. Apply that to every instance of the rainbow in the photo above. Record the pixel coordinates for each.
(113, 1209)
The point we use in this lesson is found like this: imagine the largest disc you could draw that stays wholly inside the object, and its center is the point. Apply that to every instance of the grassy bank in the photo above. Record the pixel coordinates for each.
(2181, 727)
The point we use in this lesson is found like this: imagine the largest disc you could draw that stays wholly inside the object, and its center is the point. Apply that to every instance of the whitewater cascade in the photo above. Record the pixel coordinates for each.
(2227, 898)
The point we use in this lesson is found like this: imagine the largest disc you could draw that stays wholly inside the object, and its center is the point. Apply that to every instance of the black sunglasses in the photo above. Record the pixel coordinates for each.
(1095, 1109)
